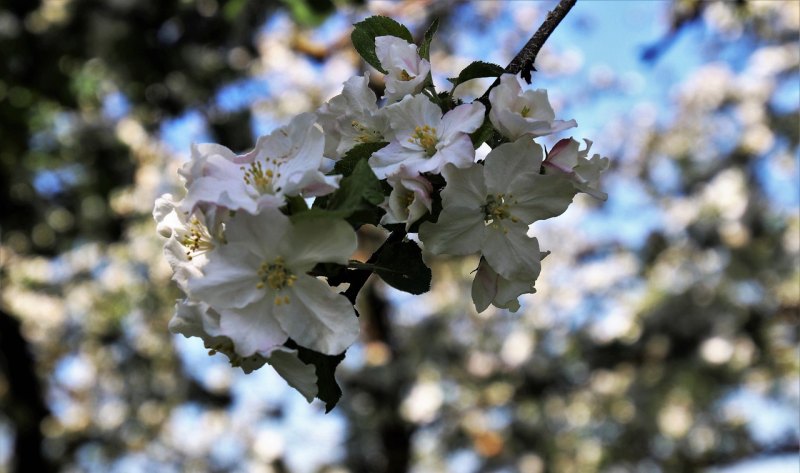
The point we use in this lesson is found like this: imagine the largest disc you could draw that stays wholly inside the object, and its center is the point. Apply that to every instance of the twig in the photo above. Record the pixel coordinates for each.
(527, 55)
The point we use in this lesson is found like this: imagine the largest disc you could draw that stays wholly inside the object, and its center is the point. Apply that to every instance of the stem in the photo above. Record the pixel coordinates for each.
(527, 55)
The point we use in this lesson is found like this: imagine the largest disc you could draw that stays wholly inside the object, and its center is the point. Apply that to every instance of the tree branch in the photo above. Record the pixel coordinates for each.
(523, 61)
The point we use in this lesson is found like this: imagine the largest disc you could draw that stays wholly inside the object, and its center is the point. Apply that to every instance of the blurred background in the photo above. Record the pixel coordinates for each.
(663, 337)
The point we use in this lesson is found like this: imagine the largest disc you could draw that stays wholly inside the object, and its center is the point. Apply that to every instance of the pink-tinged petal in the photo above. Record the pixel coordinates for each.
(253, 328)
(316, 317)
(539, 197)
(465, 187)
(511, 252)
(230, 278)
(465, 118)
(299, 375)
(509, 160)
(322, 240)
(459, 231)
(563, 156)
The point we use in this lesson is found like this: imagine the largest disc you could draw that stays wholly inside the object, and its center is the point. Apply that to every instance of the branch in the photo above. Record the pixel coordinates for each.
(523, 61)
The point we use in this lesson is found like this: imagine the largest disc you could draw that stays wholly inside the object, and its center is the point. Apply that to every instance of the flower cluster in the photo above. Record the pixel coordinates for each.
(257, 265)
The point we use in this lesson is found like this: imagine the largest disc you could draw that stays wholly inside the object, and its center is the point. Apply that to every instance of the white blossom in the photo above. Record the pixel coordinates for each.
(515, 113)
(566, 158)
(352, 118)
(488, 209)
(488, 287)
(257, 282)
(406, 71)
(425, 141)
(409, 200)
(283, 163)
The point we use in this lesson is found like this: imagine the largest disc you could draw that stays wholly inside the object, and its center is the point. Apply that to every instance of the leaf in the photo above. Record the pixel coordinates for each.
(357, 153)
(482, 134)
(328, 390)
(356, 200)
(400, 265)
(365, 32)
(425, 47)
(477, 70)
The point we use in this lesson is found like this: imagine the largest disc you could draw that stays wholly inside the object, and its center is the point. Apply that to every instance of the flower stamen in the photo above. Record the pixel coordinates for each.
(425, 137)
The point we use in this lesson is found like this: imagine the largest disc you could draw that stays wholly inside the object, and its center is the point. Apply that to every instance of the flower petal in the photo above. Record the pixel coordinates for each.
(260, 234)
(509, 160)
(229, 279)
(511, 252)
(253, 328)
(312, 241)
(299, 375)
(318, 318)
(459, 231)
(465, 118)
(539, 197)
(465, 187)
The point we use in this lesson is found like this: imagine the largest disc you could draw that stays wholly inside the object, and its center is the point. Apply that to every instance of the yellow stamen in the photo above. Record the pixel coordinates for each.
(425, 137)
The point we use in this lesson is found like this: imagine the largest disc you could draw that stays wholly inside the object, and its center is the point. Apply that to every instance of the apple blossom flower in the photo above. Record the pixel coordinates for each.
(197, 319)
(488, 209)
(488, 287)
(283, 163)
(351, 118)
(425, 141)
(566, 158)
(406, 71)
(515, 113)
(257, 282)
(409, 200)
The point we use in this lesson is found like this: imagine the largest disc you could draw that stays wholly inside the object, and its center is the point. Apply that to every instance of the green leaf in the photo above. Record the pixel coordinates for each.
(476, 70)
(310, 12)
(365, 32)
(425, 47)
(356, 199)
(482, 134)
(400, 265)
(328, 390)
(359, 152)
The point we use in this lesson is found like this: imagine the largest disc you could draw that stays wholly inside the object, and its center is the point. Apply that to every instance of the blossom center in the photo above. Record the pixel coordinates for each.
(197, 239)
(405, 76)
(260, 178)
(497, 208)
(526, 110)
(276, 276)
(425, 137)
(365, 133)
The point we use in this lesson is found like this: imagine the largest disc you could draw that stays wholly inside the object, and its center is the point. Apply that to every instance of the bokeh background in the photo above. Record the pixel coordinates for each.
(663, 337)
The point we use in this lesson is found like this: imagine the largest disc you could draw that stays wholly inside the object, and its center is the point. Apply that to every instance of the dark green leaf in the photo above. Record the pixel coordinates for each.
(477, 70)
(357, 153)
(400, 265)
(425, 47)
(328, 390)
(296, 204)
(482, 134)
(365, 32)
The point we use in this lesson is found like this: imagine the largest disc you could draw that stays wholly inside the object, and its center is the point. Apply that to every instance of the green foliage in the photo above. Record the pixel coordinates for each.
(355, 200)
(476, 70)
(425, 47)
(359, 152)
(328, 390)
(365, 32)
(400, 265)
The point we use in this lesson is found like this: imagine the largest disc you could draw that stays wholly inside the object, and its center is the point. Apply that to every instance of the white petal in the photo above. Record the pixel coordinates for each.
(459, 231)
(253, 328)
(458, 152)
(411, 112)
(465, 187)
(484, 286)
(312, 241)
(388, 160)
(539, 197)
(260, 234)
(230, 278)
(511, 253)
(318, 318)
(465, 118)
(509, 160)
(299, 375)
